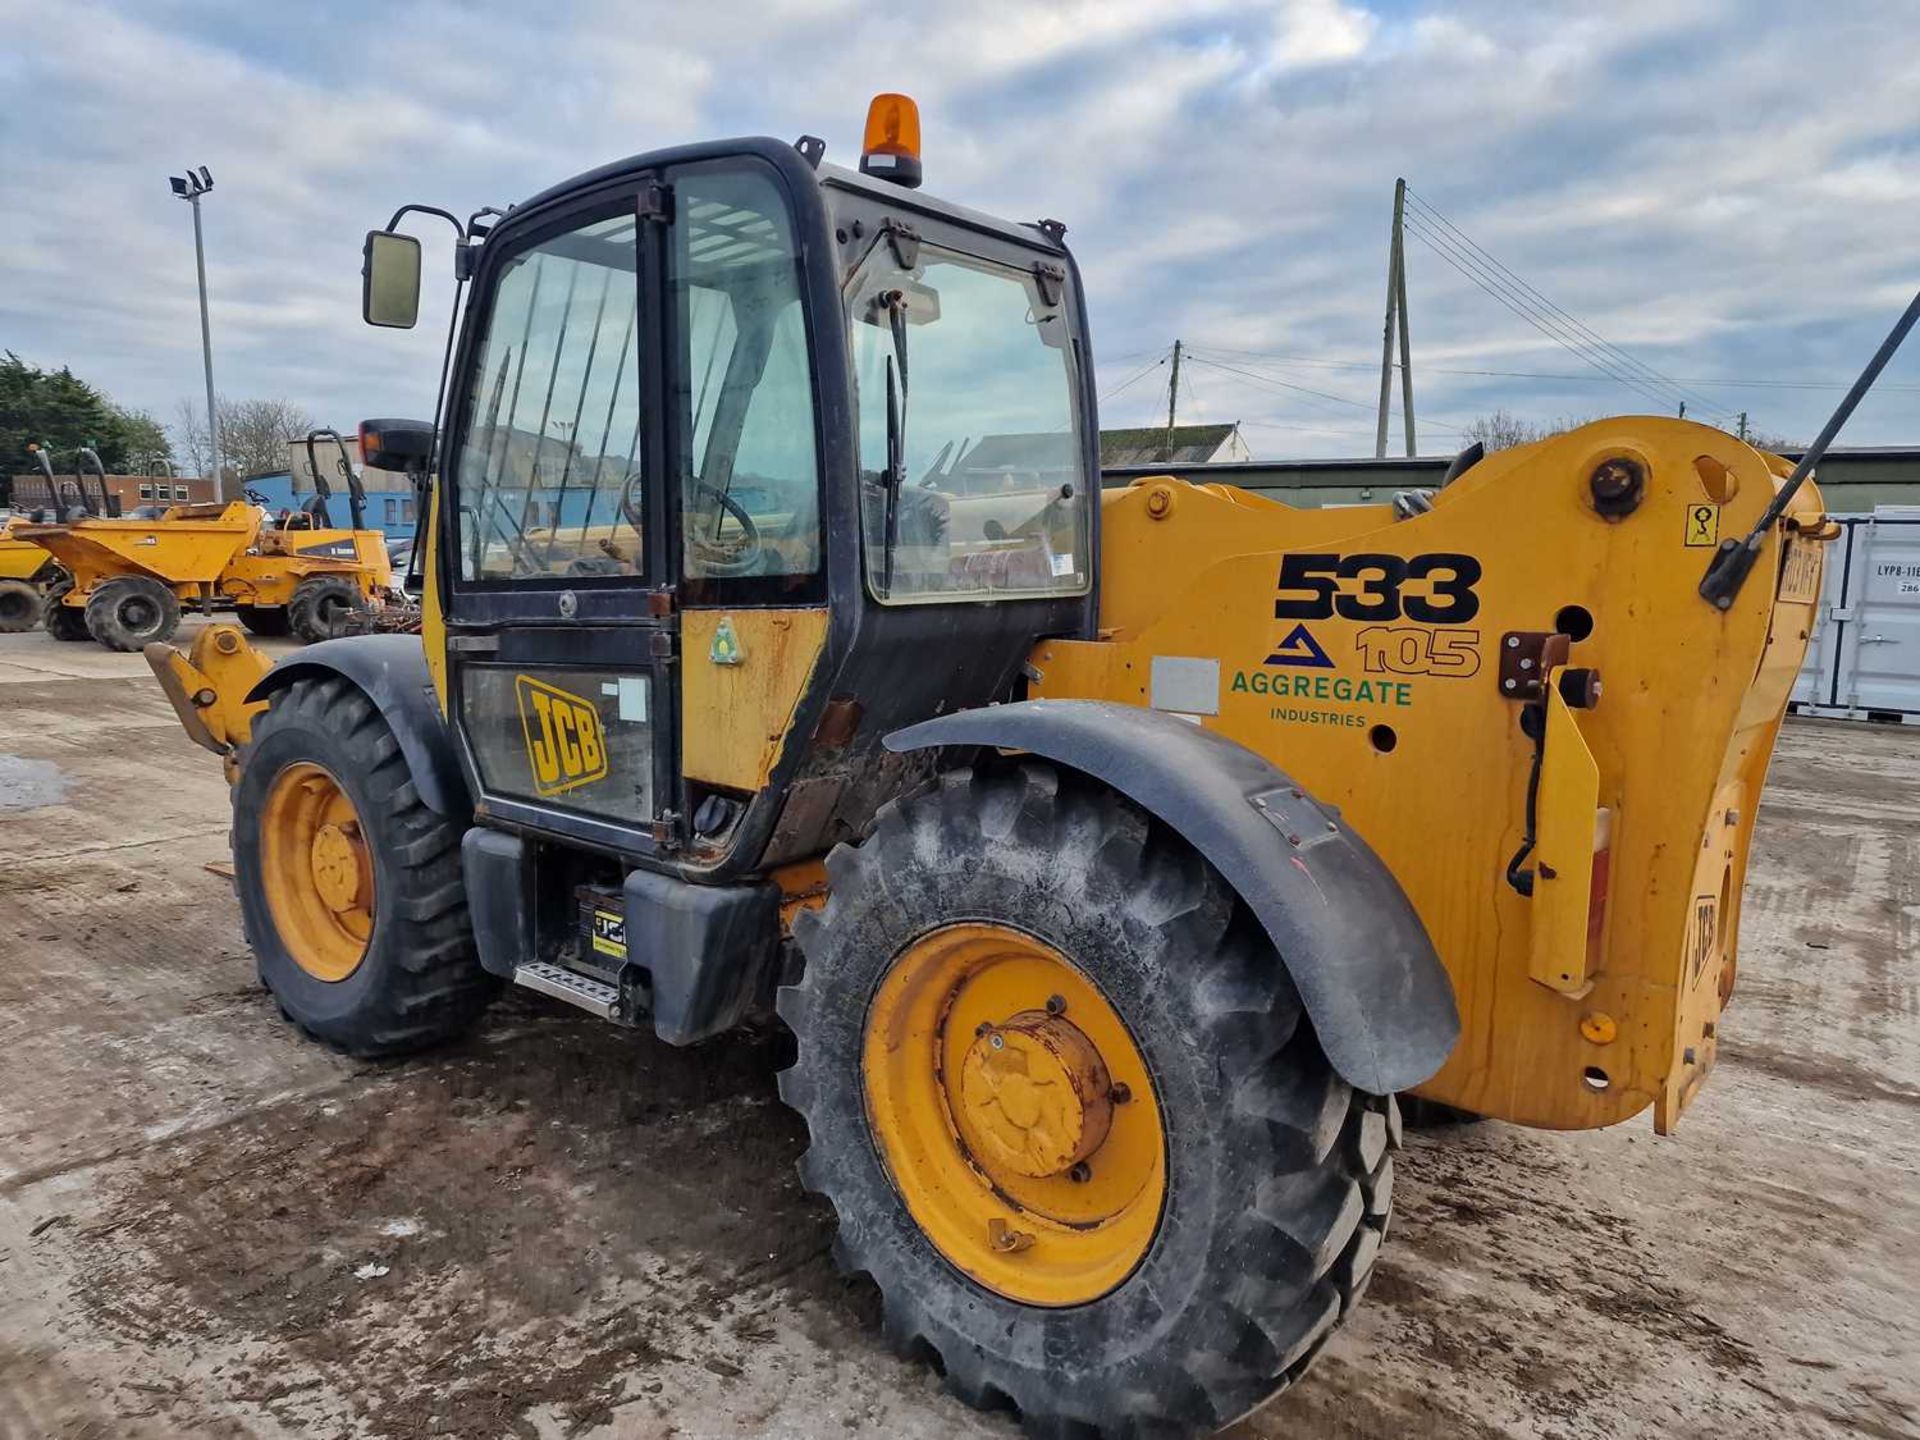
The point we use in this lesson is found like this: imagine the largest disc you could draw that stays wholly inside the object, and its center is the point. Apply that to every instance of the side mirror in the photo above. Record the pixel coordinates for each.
(405, 446)
(390, 280)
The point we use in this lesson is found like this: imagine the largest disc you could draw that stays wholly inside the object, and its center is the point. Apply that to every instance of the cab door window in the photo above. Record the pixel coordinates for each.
(548, 477)
(749, 466)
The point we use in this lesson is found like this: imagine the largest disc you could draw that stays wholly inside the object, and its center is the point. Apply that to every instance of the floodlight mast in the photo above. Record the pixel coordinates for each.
(190, 187)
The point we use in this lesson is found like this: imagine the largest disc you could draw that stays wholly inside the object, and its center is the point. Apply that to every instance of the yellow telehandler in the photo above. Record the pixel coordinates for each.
(1115, 859)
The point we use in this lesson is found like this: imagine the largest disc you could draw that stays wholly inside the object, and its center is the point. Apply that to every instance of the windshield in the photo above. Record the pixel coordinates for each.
(971, 471)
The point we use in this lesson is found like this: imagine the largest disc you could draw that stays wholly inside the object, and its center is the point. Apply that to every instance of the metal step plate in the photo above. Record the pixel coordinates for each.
(564, 984)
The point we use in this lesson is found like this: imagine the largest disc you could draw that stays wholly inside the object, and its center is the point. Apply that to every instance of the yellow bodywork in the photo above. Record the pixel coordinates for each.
(1599, 994)
(207, 687)
(20, 558)
(738, 697)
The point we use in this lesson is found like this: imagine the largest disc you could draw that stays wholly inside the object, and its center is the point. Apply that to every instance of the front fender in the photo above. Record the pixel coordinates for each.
(1379, 998)
(391, 670)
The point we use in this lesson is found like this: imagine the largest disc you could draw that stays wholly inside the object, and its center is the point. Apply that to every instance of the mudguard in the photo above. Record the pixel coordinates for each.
(1379, 998)
(391, 670)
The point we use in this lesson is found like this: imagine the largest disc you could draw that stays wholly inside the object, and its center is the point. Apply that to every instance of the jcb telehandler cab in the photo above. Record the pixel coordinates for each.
(780, 653)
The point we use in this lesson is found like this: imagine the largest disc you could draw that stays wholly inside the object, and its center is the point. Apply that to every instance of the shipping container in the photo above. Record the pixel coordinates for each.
(1863, 662)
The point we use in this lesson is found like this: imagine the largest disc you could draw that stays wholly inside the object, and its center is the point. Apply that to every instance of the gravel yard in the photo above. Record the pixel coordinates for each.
(211, 1227)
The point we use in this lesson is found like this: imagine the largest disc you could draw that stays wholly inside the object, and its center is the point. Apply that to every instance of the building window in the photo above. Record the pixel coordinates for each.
(406, 512)
(180, 492)
(146, 492)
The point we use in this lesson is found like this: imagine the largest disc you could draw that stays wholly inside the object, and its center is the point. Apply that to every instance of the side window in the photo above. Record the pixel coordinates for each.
(970, 432)
(750, 475)
(548, 476)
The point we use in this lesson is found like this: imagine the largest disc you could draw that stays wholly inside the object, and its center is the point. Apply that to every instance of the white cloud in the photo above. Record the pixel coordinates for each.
(1726, 187)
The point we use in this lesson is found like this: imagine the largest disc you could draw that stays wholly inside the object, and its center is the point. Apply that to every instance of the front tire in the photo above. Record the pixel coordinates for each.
(1276, 1179)
(132, 612)
(19, 607)
(350, 888)
(322, 606)
(268, 620)
(63, 621)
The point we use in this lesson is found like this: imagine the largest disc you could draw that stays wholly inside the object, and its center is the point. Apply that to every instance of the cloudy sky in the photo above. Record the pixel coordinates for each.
(1726, 190)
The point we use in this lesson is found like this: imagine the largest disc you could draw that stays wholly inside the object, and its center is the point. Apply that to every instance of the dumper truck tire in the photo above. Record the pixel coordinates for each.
(132, 612)
(350, 888)
(63, 621)
(19, 607)
(321, 607)
(263, 619)
(1071, 1115)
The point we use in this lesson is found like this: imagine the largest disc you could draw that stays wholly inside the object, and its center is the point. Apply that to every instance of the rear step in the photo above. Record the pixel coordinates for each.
(595, 996)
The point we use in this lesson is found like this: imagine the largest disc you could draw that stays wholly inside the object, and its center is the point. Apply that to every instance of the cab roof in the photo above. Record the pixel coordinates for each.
(785, 158)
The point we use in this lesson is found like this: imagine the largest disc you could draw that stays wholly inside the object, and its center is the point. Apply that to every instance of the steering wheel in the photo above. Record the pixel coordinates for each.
(630, 504)
(712, 555)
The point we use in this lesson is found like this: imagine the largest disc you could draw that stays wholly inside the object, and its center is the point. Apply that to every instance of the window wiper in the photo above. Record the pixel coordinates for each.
(896, 303)
(892, 481)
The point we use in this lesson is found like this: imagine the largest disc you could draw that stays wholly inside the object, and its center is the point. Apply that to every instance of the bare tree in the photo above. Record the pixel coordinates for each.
(253, 435)
(1503, 429)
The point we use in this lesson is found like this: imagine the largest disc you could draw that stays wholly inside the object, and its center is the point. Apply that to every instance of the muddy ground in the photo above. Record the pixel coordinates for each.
(209, 1227)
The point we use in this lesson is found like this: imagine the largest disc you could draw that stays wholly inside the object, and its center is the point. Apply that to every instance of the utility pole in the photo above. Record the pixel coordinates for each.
(190, 188)
(1396, 323)
(1173, 398)
(1743, 424)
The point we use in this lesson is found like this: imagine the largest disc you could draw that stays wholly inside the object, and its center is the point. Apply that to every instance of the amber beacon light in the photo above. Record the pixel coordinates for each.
(892, 147)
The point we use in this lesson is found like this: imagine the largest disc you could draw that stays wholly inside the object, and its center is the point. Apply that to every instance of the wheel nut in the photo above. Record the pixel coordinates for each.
(1120, 1094)
(983, 1027)
(1080, 1174)
(1056, 1005)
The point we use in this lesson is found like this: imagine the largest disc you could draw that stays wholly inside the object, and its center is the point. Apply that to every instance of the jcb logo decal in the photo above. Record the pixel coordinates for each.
(566, 747)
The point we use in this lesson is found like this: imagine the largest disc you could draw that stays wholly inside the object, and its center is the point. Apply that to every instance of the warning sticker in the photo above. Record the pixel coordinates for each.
(1800, 575)
(1703, 525)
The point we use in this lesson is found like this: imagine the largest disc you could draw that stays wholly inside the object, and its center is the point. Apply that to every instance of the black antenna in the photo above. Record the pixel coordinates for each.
(1728, 570)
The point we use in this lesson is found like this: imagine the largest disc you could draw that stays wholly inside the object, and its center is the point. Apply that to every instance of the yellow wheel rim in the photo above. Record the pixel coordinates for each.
(317, 871)
(1015, 1114)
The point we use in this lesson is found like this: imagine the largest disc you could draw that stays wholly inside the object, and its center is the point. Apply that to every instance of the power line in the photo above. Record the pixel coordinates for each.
(1633, 362)
(1548, 374)
(1160, 360)
(1289, 385)
(1531, 298)
(1547, 326)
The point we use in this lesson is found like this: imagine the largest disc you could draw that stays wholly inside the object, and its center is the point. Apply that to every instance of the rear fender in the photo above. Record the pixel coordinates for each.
(391, 671)
(1369, 977)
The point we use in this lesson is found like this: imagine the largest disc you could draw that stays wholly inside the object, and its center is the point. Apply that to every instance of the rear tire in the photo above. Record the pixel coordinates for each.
(19, 607)
(63, 621)
(269, 620)
(1279, 1181)
(131, 612)
(418, 980)
(321, 607)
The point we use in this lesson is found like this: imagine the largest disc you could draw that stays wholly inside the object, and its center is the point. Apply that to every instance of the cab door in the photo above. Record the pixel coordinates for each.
(560, 626)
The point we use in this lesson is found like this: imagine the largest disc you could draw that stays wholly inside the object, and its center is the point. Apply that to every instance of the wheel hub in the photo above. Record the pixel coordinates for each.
(1034, 1094)
(1016, 1114)
(317, 871)
(337, 858)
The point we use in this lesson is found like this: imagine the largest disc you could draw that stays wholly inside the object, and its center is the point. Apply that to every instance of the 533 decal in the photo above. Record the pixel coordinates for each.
(1439, 588)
